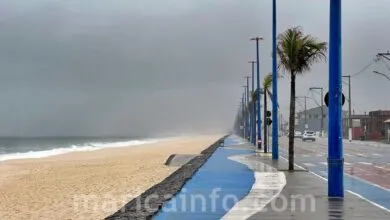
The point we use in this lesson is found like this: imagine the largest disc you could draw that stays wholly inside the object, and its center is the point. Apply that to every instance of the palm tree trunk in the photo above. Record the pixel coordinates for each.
(291, 125)
(265, 122)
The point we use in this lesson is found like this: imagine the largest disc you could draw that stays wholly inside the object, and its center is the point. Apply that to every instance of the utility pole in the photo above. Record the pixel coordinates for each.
(245, 111)
(247, 102)
(304, 97)
(253, 104)
(350, 129)
(258, 91)
(242, 115)
(322, 107)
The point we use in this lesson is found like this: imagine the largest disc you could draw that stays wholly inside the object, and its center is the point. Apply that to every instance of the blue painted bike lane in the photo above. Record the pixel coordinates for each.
(371, 192)
(214, 189)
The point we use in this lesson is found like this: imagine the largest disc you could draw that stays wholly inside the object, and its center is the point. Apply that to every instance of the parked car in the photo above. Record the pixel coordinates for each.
(298, 134)
(309, 135)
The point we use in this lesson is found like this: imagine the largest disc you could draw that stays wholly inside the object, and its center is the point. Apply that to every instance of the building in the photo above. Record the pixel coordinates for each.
(311, 118)
(359, 123)
(387, 122)
(373, 126)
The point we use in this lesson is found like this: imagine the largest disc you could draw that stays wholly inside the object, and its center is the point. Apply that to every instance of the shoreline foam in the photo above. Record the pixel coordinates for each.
(74, 148)
(49, 188)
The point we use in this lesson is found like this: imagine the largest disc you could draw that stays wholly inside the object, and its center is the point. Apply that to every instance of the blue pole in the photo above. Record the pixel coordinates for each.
(254, 107)
(248, 118)
(335, 139)
(258, 96)
(243, 115)
(275, 130)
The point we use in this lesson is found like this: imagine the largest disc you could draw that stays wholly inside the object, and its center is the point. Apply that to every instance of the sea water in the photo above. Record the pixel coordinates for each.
(38, 147)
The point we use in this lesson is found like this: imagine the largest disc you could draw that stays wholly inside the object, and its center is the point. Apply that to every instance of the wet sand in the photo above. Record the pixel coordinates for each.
(87, 185)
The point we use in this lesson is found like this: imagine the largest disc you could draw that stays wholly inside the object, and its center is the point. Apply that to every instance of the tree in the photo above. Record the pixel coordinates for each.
(297, 53)
(267, 84)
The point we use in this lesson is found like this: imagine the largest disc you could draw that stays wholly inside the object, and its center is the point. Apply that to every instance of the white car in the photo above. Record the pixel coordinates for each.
(298, 134)
(309, 135)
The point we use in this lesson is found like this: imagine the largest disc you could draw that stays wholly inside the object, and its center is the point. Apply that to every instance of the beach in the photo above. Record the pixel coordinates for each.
(88, 185)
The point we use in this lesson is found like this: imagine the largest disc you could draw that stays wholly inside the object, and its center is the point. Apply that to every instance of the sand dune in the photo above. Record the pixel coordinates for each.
(87, 185)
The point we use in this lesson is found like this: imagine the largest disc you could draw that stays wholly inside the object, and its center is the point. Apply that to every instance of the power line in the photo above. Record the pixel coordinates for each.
(387, 66)
(363, 69)
(382, 74)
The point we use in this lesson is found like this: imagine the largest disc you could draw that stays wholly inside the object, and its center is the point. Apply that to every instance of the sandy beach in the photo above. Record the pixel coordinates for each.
(87, 185)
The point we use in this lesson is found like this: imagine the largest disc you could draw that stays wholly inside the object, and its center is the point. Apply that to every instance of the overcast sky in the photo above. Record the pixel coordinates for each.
(147, 67)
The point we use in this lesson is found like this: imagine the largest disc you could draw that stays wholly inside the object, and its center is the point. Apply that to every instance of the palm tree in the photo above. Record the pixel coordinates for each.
(297, 53)
(267, 83)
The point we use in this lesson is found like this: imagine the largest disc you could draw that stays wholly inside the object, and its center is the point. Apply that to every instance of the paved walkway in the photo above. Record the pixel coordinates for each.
(305, 198)
(366, 168)
(215, 188)
(238, 183)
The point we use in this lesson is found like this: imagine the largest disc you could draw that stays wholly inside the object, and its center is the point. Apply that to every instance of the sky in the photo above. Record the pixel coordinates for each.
(152, 67)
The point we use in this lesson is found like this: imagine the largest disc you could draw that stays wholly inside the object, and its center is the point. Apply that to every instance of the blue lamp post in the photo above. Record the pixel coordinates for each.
(259, 141)
(335, 139)
(253, 119)
(275, 130)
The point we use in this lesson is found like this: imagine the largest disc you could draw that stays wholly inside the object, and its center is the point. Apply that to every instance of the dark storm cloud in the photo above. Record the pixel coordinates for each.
(152, 67)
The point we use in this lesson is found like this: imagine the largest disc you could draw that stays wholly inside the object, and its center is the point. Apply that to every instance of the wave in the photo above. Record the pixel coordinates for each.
(74, 148)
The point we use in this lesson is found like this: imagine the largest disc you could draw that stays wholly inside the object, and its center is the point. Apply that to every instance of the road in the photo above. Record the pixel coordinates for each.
(366, 166)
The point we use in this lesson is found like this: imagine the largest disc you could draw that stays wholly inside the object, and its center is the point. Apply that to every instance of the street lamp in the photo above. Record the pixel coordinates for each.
(245, 111)
(335, 141)
(322, 107)
(382, 74)
(253, 126)
(275, 130)
(258, 91)
(248, 110)
(350, 130)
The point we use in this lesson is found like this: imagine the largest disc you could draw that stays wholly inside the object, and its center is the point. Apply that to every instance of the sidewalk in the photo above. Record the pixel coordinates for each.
(239, 183)
(305, 186)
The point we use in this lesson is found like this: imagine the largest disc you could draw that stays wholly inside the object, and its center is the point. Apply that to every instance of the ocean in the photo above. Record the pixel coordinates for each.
(20, 148)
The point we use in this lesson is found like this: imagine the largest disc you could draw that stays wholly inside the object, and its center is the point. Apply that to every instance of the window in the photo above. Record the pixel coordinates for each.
(315, 116)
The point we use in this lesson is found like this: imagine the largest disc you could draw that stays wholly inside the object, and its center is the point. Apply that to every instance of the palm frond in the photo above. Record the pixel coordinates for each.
(298, 52)
(267, 81)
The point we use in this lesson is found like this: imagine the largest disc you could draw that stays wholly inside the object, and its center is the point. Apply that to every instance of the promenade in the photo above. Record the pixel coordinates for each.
(239, 183)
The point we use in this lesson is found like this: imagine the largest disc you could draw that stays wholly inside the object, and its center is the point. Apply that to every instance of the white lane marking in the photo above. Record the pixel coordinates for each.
(371, 202)
(346, 163)
(365, 163)
(309, 164)
(353, 193)
(361, 155)
(267, 186)
(348, 155)
(294, 163)
(383, 168)
(321, 177)
(365, 181)
(324, 163)
(377, 155)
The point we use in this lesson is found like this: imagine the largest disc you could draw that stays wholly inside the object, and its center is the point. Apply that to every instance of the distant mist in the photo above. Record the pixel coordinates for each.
(144, 68)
